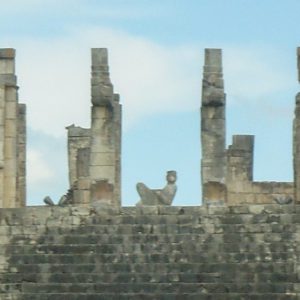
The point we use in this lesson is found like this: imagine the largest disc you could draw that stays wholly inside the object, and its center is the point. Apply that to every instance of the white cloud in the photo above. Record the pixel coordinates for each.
(39, 171)
(54, 76)
(252, 74)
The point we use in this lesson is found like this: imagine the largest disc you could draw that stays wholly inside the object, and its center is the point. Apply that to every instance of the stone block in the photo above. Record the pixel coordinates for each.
(103, 143)
(83, 162)
(11, 110)
(102, 172)
(243, 142)
(7, 53)
(7, 80)
(10, 167)
(10, 128)
(102, 159)
(99, 56)
(101, 113)
(213, 191)
(212, 112)
(10, 149)
(213, 58)
(76, 131)
(11, 93)
(83, 184)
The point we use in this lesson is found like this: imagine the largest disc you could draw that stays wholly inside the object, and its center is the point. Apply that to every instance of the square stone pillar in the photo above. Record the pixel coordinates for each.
(239, 165)
(296, 139)
(105, 133)
(213, 163)
(12, 135)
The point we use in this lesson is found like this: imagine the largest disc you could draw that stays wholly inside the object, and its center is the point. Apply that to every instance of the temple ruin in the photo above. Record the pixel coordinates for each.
(227, 174)
(242, 243)
(95, 153)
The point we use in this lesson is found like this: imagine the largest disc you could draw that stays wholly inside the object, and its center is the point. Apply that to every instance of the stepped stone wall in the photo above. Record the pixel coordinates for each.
(207, 252)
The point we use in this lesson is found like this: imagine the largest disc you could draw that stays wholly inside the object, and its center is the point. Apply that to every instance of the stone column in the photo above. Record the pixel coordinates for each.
(12, 135)
(78, 138)
(8, 128)
(103, 132)
(296, 139)
(118, 147)
(21, 184)
(239, 173)
(82, 188)
(213, 163)
(2, 118)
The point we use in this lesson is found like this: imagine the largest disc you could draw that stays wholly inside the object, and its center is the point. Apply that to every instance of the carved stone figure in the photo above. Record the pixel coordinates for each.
(48, 201)
(162, 196)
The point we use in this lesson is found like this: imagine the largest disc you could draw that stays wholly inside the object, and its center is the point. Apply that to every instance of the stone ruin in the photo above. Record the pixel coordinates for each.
(242, 243)
(227, 174)
(94, 154)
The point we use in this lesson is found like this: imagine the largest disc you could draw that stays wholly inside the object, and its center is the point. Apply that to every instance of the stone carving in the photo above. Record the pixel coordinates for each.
(48, 201)
(283, 200)
(162, 196)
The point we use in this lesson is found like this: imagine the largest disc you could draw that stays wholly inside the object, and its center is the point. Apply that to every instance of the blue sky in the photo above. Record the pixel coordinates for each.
(156, 53)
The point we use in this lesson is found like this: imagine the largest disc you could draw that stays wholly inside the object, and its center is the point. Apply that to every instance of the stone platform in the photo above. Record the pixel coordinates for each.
(205, 252)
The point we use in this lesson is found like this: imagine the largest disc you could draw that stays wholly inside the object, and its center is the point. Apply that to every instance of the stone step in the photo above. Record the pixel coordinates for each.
(146, 276)
(116, 238)
(154, 257)
(151, 227)
(152, 296)
(259, 268)
(124, 287)
(133, 247)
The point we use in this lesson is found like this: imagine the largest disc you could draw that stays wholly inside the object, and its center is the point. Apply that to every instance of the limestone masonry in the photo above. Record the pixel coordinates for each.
(243, 242)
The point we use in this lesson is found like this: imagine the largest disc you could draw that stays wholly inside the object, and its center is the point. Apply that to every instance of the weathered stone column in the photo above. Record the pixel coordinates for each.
(82, 194)
(104, 144)
(12, 135)
(78, 138)
(213, 164)
(296, 138)
(239, 173)
(8, 128)
(118, 147)
(21, 183)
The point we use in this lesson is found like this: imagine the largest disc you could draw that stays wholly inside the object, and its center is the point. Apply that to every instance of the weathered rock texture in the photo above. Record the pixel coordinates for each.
(12, 135)
(95, 153)
(227, 174)
(239, 252)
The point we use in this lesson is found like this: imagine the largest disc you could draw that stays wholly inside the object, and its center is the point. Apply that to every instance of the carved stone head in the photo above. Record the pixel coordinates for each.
(171, 177)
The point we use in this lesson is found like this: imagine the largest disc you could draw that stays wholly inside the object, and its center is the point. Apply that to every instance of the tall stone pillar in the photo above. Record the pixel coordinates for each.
(296, 139)
(21, 182)
(213, 164)
(105, 148)
(118, 147)
(12, 123)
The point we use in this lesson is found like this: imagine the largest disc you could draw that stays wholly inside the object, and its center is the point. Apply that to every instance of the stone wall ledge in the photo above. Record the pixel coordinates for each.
(43, 215)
